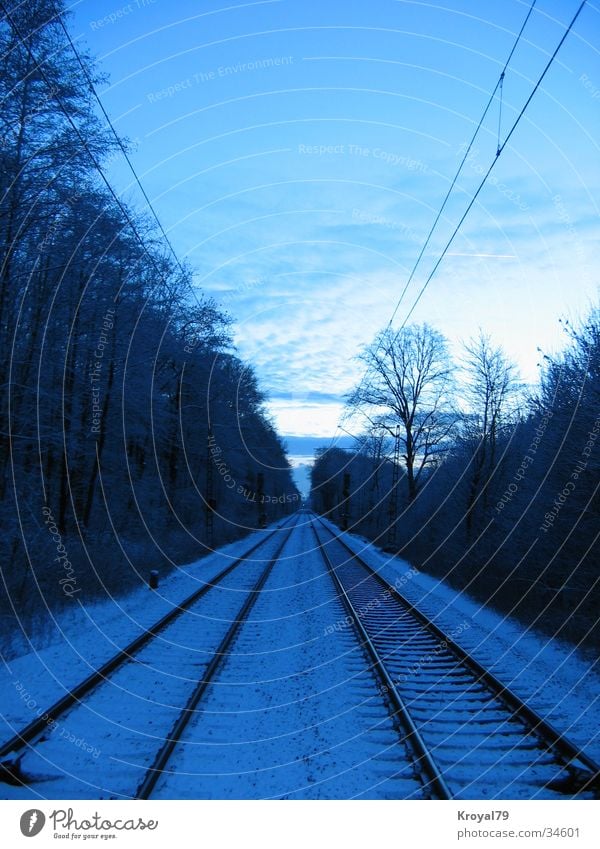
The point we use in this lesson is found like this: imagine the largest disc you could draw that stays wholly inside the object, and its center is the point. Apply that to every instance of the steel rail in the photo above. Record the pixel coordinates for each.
(154, 772)
(553, 740)
(422, 756)
(37, 726)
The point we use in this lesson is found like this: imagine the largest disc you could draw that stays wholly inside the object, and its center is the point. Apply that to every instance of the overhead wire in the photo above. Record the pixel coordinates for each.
(499, 150)
(122, 208)
(500, 116)
(119, 141)
(143, 243)
(493, 164)
(499, 84)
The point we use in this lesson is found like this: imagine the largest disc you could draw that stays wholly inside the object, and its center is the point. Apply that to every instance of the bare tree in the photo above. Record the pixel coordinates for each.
(409, 383)
(491, 390)
(374, 444)
(106, 364)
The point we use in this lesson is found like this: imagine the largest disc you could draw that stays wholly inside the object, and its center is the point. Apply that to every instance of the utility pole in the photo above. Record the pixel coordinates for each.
(346, 501)
(393, 507)
(210, 500)
(260, 492)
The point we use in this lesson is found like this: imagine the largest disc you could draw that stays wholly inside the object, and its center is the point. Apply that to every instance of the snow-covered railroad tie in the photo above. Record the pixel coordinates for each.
(237, 694)
(127, 705)
(297, 672)
(482, 739)
(292, 712)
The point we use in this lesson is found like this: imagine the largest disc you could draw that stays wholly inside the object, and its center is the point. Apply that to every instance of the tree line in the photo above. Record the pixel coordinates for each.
(495, 487)
(119, 379)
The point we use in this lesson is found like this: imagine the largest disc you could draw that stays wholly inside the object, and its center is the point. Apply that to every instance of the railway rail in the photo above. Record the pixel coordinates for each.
(451, 728)
(288, 710)
(473, 737)
(158, 767)
(13, 749)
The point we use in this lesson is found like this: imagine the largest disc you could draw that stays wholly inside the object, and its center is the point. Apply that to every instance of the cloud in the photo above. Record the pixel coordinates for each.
(317, 420)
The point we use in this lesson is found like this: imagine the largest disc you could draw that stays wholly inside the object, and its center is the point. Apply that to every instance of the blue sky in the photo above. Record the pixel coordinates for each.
(297, 154)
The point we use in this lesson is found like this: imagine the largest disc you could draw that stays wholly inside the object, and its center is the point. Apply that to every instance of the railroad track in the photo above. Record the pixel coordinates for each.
(451, 729)
(238, 577)
(153, 761)
(159, 765)
(472, 737)
(289, 710)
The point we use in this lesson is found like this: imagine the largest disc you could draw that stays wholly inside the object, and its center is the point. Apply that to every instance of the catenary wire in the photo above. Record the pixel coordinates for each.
(121, 206)
(119, 141)
(499, 151)
(494, 161)
(499, 84)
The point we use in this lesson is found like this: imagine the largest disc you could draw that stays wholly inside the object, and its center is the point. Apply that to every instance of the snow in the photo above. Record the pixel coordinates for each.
(126, 719)
(306, 713)
(298, 719)
(90, 634)
(553, 677)
(295, 711)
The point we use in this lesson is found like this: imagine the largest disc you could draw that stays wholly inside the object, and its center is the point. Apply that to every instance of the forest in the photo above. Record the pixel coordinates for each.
(475, 478)
(132, 435)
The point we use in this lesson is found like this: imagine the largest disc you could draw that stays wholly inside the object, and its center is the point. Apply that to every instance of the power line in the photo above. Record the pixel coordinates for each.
(494, 161)
(499, 151)
(500, 114)
(499, 85)
(119, 141)
(85, 145)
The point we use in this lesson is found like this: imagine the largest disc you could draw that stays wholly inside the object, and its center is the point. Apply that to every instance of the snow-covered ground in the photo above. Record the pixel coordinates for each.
(295, 711)
(559, 682)
(294, 719)
(121, 725)
(89, 635)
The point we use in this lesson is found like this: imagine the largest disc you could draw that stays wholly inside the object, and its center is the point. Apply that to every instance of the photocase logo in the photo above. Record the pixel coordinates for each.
(32, 822)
